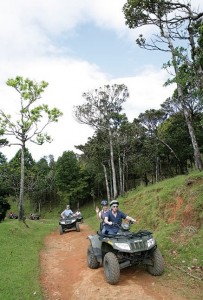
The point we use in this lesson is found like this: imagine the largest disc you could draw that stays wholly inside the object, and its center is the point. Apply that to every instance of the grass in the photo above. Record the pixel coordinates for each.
(19, 258)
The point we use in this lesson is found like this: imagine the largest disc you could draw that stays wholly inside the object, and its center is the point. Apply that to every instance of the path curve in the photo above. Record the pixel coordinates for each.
(65, 275)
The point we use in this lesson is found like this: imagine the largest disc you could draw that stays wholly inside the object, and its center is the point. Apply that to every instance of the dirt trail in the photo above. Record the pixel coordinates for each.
(65, 275)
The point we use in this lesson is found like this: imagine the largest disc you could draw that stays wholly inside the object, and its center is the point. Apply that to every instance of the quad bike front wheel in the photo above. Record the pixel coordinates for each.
(158, 263)
(111, 268)
(77, 226)
(92, 261)
(60, 229)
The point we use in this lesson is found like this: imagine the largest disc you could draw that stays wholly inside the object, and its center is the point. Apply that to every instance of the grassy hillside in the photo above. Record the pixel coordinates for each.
(173, 211)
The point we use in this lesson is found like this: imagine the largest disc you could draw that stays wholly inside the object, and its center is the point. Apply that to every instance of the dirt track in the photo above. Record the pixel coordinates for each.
(65, 275)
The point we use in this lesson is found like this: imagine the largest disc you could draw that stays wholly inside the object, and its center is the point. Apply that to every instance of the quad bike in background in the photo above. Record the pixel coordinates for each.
(69, 223)
(124, 249)
(34, 217)
(12, 215)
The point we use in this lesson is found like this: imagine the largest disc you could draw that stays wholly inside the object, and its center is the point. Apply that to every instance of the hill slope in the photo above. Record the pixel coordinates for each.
(173, 211)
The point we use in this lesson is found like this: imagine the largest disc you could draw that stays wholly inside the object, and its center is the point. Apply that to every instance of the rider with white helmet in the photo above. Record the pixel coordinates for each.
(115, 216)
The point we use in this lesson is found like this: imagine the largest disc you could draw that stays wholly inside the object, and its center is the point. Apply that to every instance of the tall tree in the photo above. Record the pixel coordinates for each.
(71, 179)
(178, 24)
(96, 152)
(102, 111)
(31, 124)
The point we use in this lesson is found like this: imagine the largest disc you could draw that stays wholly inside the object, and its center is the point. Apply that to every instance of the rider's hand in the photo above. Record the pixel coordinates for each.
(110, 223)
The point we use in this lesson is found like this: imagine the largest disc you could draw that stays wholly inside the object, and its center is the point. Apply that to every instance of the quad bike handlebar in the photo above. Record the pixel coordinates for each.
(130, 222)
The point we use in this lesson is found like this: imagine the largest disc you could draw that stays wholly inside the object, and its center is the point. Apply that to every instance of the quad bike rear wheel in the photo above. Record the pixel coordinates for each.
(111, 268)
(158, 263)
(92, 261)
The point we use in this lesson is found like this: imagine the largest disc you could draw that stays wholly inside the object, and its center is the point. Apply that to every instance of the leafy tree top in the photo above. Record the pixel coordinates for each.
(102, 106)
(32, 119)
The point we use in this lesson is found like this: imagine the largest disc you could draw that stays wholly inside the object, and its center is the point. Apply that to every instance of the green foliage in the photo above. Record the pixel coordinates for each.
(67, 170)
(43, 190)
(72, 179)
(4, 207)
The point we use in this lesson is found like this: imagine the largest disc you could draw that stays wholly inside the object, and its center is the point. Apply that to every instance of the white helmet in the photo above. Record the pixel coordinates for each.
(114, 202)
(68, 206)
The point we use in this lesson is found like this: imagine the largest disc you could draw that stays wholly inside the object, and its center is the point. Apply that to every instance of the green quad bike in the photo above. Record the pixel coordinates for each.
(124, 249)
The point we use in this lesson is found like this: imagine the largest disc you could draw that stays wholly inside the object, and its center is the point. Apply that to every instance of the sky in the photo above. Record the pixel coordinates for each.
(75, 46)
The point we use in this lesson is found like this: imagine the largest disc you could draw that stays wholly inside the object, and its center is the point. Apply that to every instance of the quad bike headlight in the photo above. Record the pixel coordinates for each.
(123, 246)
(150, 242)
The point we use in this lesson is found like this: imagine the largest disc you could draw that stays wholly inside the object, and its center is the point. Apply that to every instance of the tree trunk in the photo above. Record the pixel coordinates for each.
(123, 181)
(22, 177)
(39, 208)
(110, 179)
(115, 193)
(157, 169)
(107, 184)
(120, 176)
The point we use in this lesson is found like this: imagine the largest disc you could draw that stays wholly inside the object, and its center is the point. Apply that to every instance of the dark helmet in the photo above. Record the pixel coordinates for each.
(114, 202)
(104, 202)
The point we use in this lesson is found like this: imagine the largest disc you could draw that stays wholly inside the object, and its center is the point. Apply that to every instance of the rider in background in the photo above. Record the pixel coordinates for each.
(67, 212)
(101, 215)
(115, 216)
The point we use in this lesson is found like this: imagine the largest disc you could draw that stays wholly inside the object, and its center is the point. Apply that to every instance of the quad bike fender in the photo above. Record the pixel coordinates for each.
(96, 246)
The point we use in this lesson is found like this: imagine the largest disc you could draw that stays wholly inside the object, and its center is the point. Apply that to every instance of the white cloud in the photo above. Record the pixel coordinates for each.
(30, 28)
(146, 91)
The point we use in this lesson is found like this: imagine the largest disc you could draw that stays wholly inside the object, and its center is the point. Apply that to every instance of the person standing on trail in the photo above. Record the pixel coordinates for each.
(101, 215)
(67, 212)
(115, 216)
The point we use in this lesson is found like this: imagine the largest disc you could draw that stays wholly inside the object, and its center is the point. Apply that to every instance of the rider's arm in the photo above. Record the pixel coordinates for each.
(130, 219)
(106, 221)
(98, 213)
